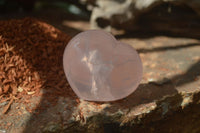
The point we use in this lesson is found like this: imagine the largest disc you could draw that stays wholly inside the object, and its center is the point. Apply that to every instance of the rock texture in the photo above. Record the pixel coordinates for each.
(168, 98)
(125, 14)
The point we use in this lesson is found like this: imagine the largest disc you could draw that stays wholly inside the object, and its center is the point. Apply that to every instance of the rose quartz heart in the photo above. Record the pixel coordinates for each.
(100, 68)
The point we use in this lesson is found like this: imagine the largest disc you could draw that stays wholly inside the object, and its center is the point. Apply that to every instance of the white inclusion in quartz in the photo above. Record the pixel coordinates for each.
(96, 68)
(100, 68)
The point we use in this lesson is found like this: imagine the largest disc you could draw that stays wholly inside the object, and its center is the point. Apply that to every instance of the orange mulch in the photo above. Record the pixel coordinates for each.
(30, 60)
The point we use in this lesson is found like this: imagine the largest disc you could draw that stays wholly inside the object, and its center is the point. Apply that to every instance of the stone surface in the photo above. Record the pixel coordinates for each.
(168, 99)
(100, 68)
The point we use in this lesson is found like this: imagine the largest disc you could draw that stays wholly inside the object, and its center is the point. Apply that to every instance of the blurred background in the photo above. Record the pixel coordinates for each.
(144, 17)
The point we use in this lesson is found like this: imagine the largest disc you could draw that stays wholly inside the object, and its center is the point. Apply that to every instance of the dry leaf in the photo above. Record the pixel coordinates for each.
(14, 89)
(5, 110)
(30, 92)
(20, 89)
(6, 88)
(1, 91)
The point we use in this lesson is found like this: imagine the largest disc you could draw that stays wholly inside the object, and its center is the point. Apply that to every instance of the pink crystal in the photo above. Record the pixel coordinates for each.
(100, 68)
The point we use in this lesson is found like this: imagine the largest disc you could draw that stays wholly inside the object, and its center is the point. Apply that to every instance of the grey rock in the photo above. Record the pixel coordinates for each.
(4, 103)
(2, 131)
(52, 128)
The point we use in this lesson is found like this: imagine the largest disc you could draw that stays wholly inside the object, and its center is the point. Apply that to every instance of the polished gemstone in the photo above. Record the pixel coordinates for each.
(100, 68)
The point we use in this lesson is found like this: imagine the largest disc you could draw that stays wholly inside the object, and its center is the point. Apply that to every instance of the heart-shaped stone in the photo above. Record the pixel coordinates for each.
(100, 68)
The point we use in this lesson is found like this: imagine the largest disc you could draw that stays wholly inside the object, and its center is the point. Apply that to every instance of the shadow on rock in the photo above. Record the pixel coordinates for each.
(159, 49)
(145, 93)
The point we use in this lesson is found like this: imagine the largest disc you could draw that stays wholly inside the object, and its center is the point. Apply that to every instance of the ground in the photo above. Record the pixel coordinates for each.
(167, 99)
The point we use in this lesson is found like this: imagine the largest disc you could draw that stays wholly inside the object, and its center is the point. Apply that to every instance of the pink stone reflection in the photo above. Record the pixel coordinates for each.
(100, 68)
